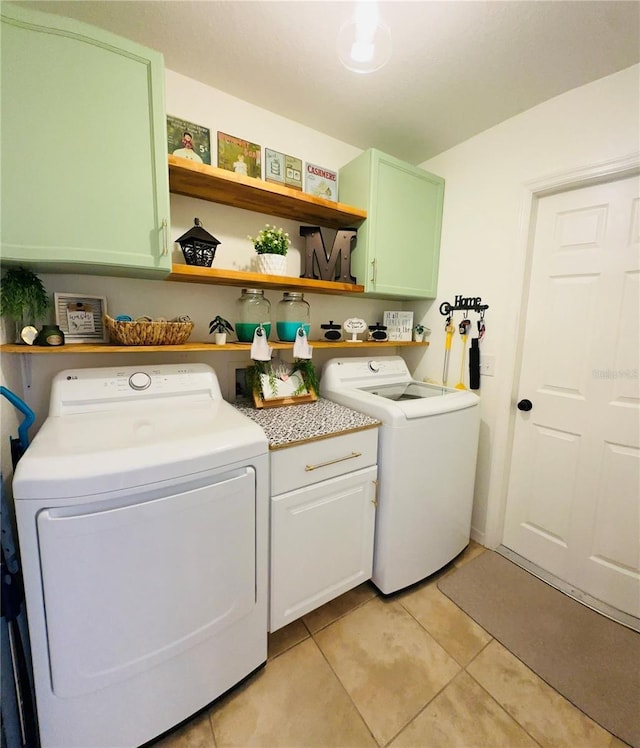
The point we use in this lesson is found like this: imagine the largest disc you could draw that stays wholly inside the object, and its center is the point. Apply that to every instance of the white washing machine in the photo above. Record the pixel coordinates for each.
(427, 450)
(142, 511)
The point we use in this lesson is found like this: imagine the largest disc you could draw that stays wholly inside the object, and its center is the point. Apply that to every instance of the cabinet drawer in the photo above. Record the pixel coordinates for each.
(305, 464)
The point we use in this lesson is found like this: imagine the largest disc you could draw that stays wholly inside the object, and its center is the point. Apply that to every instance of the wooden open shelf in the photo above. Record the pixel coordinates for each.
(189, 347)
(223, 277)
(226, 187)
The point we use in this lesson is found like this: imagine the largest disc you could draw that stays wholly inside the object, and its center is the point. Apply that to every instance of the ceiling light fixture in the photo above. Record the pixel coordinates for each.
(364, 41)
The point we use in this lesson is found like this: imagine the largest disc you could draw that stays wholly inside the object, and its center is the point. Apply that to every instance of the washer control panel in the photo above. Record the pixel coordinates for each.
(363, 372)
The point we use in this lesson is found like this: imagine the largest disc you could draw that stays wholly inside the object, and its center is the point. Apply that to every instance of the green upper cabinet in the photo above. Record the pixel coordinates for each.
(84, 159)
(398, 245)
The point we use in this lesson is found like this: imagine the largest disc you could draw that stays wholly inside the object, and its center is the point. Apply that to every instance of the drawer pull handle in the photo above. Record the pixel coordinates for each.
(332, 462)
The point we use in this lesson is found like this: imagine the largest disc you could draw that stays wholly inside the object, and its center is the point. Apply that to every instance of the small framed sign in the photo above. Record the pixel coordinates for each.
(188, 140)
(282, 169)
(81, 318)
(276, 384)
(321, 182)
(239, 156)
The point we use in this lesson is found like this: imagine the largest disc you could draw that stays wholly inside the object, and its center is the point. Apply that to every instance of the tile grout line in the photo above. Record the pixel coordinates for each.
(493, 698)
(342, 686)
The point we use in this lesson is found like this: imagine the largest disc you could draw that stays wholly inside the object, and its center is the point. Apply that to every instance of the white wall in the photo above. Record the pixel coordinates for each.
(484, 241)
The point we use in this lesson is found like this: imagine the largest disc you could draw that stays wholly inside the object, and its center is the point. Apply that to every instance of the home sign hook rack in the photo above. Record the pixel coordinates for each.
(464, 304)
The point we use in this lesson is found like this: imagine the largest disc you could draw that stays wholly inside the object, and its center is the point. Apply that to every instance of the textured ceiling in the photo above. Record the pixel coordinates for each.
(457, 68)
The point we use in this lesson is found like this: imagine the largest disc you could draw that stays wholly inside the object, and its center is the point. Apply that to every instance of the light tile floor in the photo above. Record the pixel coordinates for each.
(408, 670)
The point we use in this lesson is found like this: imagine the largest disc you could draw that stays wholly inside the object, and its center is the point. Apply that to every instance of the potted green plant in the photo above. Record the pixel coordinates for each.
(23, 298)
(219, 327)
(419, 331)
(271, 245)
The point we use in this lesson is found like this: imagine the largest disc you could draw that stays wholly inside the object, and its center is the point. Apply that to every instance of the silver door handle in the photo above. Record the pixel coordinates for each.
(165, 246)
(373, 271)
(332, 462)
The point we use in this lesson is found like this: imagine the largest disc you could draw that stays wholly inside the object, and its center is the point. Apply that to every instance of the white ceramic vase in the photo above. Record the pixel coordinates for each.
(219, 338)
(272, 264)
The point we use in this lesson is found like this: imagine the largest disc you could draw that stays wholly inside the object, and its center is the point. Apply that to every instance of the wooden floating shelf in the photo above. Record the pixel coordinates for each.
(221, 186)
(191, 347)
(223, 277)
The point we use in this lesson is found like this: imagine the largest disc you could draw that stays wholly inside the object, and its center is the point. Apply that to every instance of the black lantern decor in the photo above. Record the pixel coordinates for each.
(198, 246)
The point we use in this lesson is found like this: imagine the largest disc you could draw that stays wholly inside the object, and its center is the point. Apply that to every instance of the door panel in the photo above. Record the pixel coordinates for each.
(128, 588)
(574, 490)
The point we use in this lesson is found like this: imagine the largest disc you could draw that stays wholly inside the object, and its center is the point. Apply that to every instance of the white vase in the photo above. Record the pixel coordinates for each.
(219, 338)
(272, 264)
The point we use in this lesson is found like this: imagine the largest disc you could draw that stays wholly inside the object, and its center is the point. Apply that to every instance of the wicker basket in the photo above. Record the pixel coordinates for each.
(148, 333)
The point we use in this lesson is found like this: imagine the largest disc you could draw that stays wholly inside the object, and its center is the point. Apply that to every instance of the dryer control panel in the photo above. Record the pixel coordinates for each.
(98, 389)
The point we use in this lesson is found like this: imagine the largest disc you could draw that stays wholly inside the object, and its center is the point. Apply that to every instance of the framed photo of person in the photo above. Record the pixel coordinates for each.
(188, 140)
(239, 156)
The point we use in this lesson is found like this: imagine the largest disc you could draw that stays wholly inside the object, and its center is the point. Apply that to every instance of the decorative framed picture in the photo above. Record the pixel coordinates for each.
(282, 169)
(321, 182)
(239, 156)
(274, 384)
(81, 318)
(188, 140)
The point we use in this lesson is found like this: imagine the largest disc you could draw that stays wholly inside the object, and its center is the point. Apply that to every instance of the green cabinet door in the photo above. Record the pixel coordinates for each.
(398, 246)
(84, 165)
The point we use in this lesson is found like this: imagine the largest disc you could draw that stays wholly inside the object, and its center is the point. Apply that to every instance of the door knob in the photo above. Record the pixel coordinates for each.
(525, 405)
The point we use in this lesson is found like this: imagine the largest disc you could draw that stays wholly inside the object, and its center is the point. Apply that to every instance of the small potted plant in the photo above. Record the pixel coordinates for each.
(219, 327)
(419, 331)
(271, 246)
(23, 298)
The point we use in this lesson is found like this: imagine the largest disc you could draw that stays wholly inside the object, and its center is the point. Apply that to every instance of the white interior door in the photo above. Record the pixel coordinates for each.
(574, 489)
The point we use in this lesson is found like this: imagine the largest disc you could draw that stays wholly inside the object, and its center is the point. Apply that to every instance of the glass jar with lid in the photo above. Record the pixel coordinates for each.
(292, 313)
(252, 309)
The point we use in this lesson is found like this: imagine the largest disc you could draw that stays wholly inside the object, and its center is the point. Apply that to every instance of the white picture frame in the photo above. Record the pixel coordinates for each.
(81, 317)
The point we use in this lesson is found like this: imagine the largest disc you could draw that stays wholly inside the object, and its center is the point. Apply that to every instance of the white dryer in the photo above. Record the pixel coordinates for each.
(142, 512)
(427, 451)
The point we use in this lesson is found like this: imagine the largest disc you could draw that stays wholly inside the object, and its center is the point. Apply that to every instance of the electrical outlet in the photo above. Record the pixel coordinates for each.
(487, 365)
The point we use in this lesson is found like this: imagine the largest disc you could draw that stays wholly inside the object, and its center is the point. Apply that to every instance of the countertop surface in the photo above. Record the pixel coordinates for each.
(288, 425)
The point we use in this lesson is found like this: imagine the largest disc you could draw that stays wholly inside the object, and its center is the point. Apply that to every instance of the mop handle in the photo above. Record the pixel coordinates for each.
(30, 416)
(449, 329)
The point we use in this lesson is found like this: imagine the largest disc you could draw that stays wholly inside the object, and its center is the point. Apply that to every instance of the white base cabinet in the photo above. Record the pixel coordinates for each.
(322, 522)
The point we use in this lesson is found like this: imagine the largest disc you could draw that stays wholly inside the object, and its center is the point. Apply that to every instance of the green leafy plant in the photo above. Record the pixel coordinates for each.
(23, 296)
(220, 324)
(308, 373)
(252, 375)
(420, 329)
(271, 241)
